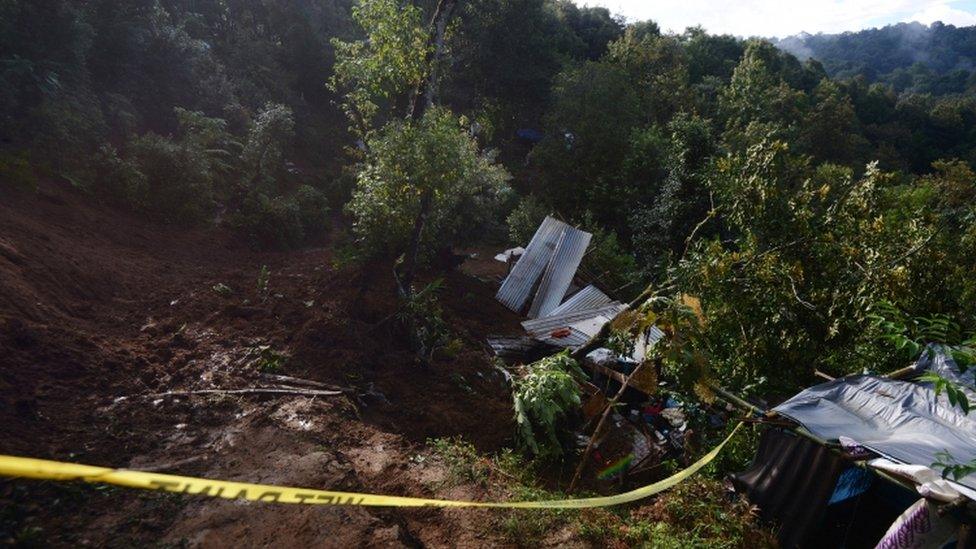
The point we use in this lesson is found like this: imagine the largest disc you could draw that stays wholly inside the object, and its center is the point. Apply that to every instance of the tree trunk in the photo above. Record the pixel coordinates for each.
(423, 98)
(405, 283)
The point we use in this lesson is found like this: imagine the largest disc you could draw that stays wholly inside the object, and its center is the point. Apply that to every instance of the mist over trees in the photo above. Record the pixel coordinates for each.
(938, 59)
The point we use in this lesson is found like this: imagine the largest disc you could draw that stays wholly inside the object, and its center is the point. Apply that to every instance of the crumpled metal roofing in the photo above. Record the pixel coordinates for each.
(589, 297)
(901, 420)
(573, 329)
(560, 271)
(517, 287)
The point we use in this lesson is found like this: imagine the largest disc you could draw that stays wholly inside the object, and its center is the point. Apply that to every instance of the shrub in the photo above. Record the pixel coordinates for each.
(422, 314)
(271, 222)
(116, 179)
(546, 396)
(313, 209)
(695, 513)
(610, 264)
(15, 170)
(178, 179)
(408, 159)
(525, 219)
(267, 141)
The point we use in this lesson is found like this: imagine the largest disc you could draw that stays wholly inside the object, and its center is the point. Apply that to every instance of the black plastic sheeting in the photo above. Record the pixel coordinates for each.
(902, 420)
(791, 479)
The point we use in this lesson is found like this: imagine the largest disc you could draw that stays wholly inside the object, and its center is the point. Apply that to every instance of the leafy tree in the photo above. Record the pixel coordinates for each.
(594, 108)
(375, 73)
(662, 226)
(595, 27)
(506, 54)
(657, 68)
(179, 183)
(408, 159)
(830, 130)
(814, 249)
(758, 102)
(267, 140)
(711, 55)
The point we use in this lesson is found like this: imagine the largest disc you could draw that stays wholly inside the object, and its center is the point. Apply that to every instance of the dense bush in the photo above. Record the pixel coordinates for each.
(313, 209)
(525, 219)
(407, 159)
(270, 222)
(268, 140)
(116, 179)
(178, 179)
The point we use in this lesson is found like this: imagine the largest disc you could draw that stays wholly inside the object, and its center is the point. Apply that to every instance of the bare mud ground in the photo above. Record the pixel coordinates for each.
(97, 304)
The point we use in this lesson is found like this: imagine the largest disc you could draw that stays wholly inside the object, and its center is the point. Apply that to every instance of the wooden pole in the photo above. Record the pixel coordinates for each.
(599, 428)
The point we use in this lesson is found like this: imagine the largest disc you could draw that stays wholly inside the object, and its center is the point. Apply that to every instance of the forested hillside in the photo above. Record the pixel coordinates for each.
(777, 208)
(692, 156)
(938, 59)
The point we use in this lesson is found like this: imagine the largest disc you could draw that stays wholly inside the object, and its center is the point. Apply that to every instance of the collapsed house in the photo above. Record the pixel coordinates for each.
(540, 280)
(851, 462)
(564, 312)
(846, 463)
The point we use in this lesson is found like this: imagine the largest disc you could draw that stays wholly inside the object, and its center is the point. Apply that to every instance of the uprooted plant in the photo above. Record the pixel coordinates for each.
(421, 315)
(545, 397)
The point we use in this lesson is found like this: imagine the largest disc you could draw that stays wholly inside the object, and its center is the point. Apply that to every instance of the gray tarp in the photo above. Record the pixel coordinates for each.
(902, 420)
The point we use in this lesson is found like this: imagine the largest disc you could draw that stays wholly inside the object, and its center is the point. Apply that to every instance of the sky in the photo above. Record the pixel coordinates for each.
(779, 18)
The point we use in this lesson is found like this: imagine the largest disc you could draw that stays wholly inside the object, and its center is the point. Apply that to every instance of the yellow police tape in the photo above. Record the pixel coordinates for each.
(12, 466)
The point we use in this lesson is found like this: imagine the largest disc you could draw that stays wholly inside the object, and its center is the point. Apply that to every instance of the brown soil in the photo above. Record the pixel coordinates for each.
(96, 304)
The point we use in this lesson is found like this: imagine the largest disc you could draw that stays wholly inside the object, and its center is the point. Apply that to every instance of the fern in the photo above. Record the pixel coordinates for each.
(546, 395)
(916, 335)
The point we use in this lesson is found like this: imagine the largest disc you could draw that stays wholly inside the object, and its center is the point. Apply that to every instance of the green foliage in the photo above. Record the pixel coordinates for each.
(268, 360)
(464, 463)
(525, 219)
(267, 140)
(951, 467)
(422, 314)
(373, 73)
(814, 250)
(16, 171)
(117, 179)
(954, 392)
(594, 107)
(178, 179)
(407, 159)
(271, 222)
(546, 396)
(313, 209)
(264, 278)
(738, 454)
(757, 101)
(918, 335)
(697, 513)
(664, 223)
(222, 289)
(609, 262)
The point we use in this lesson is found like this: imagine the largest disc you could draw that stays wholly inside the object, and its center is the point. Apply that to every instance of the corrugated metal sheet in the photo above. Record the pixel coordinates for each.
(560, 271)
(572, 329)
(547, 324)
(646, 341)
(570, 338)
(517, 287)
(589, 297)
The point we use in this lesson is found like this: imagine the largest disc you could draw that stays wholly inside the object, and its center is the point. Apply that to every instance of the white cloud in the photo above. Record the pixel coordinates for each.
(945, 13)
(785, 17)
